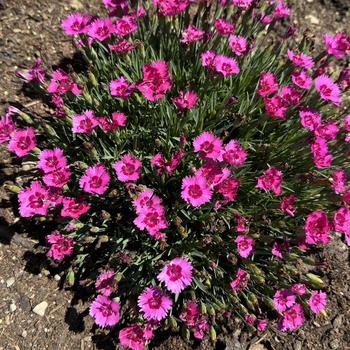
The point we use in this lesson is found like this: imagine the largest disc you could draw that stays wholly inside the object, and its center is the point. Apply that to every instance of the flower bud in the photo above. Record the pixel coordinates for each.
(203, 308)
(212, 333)
(71, 278)
(93, 79)
(315, 279)
(185, 333)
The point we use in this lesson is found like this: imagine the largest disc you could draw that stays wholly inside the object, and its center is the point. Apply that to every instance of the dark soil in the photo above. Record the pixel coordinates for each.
(29, 28)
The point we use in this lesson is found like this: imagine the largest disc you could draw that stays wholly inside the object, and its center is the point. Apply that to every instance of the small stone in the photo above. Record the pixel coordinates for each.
(257, 347)
(338, 321)
(297, 345)
(24, 334)
(25, 303)
(57, 277)
(313, 19)
(334, 344)
(13, 307)
(10, 282)
(41, 308)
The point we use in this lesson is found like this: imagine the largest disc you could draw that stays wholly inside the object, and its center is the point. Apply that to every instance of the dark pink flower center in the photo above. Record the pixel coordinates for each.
(174, 272)
(155, 302)
(152, 219)
(24, 142)
(36, 200)
(52, 162)
(95, 181)
(195, 191)
(325, 90)
(106, 310)
(207, 147)
(128, 168)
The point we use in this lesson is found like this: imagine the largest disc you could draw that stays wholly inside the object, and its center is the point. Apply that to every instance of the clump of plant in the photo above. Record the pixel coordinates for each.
(193, 167)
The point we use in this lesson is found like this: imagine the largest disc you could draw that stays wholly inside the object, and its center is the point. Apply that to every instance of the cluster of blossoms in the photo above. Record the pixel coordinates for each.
(189, 170)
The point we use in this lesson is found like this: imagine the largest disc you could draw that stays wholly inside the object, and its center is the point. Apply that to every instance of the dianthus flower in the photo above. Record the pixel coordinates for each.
(238, 45)
(241, 223)
(95, 179)
(298, 288)
(84, 123)
(223, 27)
(35, 72)
(208, 58)
(101, 29)
(74, 208)
(234, 153)
(125, 25)
(154, 303)
(22, 141)
(146, 200)
(301, 60)
(192, 34)
(76, 23)
(309, 119)
(207, 145)
(7, 127)
(281, 10)
(267, 84)
(133, 337)
(287, 204)
(292, 318)
(121, 88)
(122, 45)
(275, 106)
(283, 299)
(185, 100)
(177, 275)
(117, 120)
(241, 280)
(317, 301)
(57, 178)
(245, 245)
(339, 181)
(321, 156)
(337, 45)
(128, 168)
(279, 248)
(51, 159)
(195, 190)
(61, 246)
(228, 188)
(328, 89)
(33, 200)
(317, 228)
(242, 3)
(213, 173)
(290, 95)
(105, 283)
(61, 83)
(104, 311)
(301, 79)
(341, 220)
(271, 180)
(226, 65)
(171, 7)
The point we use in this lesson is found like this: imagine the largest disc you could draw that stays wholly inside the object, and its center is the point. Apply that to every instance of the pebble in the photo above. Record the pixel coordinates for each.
(334, 344)
(257, 347)
(41, 308)
(338, 321)
(24, 334)
(297, 345)
(312, 19)
(57, 277)
(13, 307)
(10, 282)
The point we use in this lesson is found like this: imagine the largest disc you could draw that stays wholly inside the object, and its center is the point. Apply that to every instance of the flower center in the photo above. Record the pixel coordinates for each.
(174, 272)
(195, 191)
(24, 142)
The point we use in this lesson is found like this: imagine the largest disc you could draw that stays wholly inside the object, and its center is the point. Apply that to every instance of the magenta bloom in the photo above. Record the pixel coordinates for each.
(117, 120)
(275, 106)
(339, 181)
(287, 204)
(228, 188)
(238, 45)
(327, 130)
(60, 246)
(223, 27)
(122, 45)
(51, 159)
(76, 23)
(245, 245)
(101, 29)
(271, 180)
(61, 83)
(177, 275)
(84, 123)
(171, 7)
(241, 223)
(279, 248)
(154, 303)
(128, 168)
(208, 58)
(281, 10)
(121, 88)
(309, 119)
(133, 337)
(156, 80)
(234, 153)
(194, 319)
(95, 180)
(225, 65)
(33, 200)
(298, 288)
(22, 141)
(74, 208)
(146, 200)
(35, 72)
(7, 126)
(125, 25)
(242, 3)
(337, 45)
(105, 311)
(261, 325)
(192, 34)
(341, 220)
(301, 60)
(241, 280)
(302, 79)
(321, 156)
(195, 190)
(328, 89)
(317, 301)
(283, 299)
(317, 228)
(185, 100)
(57, 178)
(290, 95)
(267, 84)
(213, 173)
(292, 318)
(105, 283)
(207, 145)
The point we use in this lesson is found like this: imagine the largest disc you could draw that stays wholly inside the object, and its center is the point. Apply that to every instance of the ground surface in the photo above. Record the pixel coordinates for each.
(29, 28)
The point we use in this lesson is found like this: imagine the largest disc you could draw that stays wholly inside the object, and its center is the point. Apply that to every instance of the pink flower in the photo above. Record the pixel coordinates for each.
(279, 248)
(283, 299)
(101, 29)
(261, 325)
(177, 275)
(76, 23)
(128, 168)
(122, 45)
(290, 95)
(228, 188)
(54, 195)
(60, 246)
(156, 80)
(105, 311)
(250, 319)
(292, 318)
(146, 200)
(238, 45)
(223, 27)
(154, 303)
(61, 83)
(301, 60)
(105, 283)
(271, 180)
(234, 153)
(108, 124)
(57, 178)
(84, 123)
(245, 245)
(337, 45)
(125, 25)
(347, 122)
(74, 208)
(287, 204)
(194, 319)
(225, 65)
(95, 180)
(33, 200)
(241, 223)
(22, 141)
(267, 84)
(115, 4)
(309, 119)
(341, 220)
(281, 10)
(317, 301)
(242, 3)
(185, 100)
(195, 190)
(51, 159)
(207, 145)
(298, 288)
(171, 7)
(241, 280)
(192, 34)
(321, 156)
(133, 337)
(317, 228)
(328, 89)
(213, 173)
(339, 181)
(301, 79)
(121, 88)
(7, 126)
(35, 72)
(327, 130)
(208, 58)
(275, 106)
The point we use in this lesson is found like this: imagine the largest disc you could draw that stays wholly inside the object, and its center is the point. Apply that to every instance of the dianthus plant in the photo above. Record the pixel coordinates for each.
(195, 163)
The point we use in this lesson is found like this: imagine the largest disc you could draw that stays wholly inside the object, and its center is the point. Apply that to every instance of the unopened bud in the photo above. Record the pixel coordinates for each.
(315, 279)
(93, 79)
(212, 333)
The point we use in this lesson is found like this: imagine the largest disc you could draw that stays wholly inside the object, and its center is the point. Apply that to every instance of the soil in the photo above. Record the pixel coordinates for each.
(29, 28)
